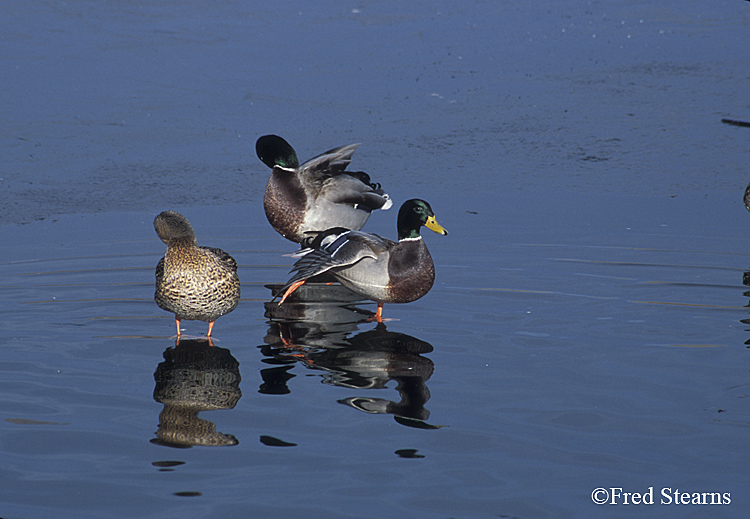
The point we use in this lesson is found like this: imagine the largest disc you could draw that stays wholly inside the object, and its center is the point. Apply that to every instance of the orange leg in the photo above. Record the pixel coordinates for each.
(177, 322)
(291, 289)
(210, 327)
(285, 334)
(378, 317)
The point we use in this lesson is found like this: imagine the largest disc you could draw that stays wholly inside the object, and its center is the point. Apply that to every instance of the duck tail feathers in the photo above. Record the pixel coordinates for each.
(376, 200)
(312, 263)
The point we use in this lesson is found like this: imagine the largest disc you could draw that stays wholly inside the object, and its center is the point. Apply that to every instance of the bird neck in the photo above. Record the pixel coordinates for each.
(408, 233)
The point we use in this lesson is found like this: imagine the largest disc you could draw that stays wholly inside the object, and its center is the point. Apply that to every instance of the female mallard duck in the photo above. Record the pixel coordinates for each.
(319, 194)
(377, 268)
(192, 282)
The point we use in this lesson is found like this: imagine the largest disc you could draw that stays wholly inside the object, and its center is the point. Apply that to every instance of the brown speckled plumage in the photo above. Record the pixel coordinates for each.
(192, 282)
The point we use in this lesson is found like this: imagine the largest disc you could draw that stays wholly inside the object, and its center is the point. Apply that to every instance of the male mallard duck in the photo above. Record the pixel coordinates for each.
(192, 282)
(317, 195)
(377, 268)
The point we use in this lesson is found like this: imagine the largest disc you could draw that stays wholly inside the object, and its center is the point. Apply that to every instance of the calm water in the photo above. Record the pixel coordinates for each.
(586, 329)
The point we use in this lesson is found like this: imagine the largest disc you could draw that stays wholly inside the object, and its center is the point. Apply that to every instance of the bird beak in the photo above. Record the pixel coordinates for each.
(432, 225)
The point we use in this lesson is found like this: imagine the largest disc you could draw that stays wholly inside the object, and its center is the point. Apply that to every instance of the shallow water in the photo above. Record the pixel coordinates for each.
(586, 329)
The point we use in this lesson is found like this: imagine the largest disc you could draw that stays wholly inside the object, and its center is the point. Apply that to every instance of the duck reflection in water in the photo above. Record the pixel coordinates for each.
(746, 282)
(318, 336)
(195, 376)
(746, 274)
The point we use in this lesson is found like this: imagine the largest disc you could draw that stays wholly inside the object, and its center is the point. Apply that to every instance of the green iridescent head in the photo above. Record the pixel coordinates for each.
(413, 215)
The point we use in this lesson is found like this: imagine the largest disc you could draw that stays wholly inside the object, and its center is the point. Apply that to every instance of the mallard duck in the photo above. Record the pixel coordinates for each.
(317, 195)
(377, 268)
(192, 282)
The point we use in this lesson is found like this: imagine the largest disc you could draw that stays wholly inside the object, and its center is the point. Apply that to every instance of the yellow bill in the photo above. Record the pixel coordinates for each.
(432, 225)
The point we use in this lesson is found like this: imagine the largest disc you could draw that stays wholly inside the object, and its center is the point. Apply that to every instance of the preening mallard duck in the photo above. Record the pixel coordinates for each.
(192, 282)
(377, 268)
(319, 194)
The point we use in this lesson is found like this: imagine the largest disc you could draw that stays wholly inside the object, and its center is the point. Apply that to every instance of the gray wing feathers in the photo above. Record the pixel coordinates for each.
(325, 176)
(332, 162)
(344, 189)
(347, 250)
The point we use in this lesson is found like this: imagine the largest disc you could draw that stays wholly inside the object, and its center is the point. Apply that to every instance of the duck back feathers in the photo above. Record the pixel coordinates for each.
(192, 282)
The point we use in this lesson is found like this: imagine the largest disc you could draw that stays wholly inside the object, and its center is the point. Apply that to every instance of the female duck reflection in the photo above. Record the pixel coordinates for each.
(195, 376)
(367, 360)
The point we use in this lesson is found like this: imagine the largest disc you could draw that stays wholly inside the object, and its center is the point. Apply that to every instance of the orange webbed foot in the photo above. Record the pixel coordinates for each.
(291, 289)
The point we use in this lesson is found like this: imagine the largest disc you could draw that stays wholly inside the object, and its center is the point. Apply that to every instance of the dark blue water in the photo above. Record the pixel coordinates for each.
(586, 329)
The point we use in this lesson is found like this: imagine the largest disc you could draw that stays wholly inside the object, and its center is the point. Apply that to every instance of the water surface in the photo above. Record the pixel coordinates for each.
(586, 329)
